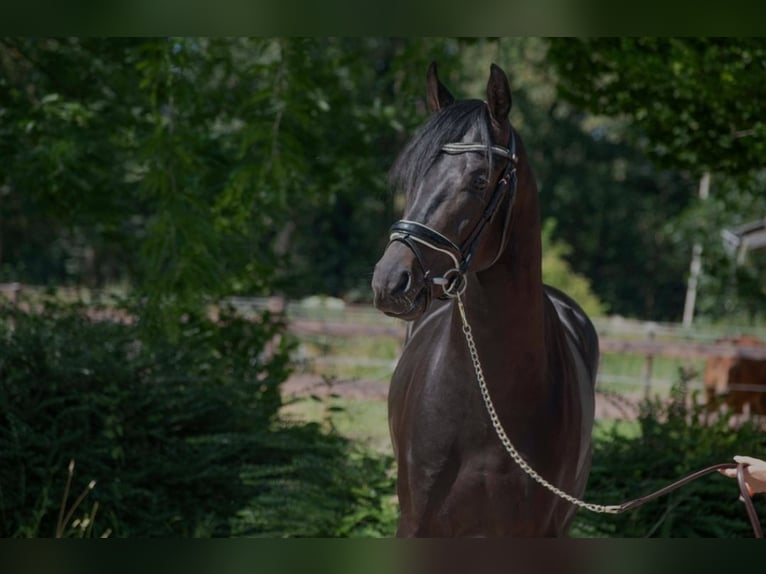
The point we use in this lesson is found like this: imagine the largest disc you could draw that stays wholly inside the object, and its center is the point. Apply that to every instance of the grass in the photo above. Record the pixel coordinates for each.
(626, 428)
(617, 371)
(348, 358)
(362, 420)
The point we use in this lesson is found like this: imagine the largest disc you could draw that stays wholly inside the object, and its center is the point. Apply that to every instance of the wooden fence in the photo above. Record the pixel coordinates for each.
(617, 336)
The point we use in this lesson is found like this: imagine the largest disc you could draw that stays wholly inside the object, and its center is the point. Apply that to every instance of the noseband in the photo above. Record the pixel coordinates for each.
(412, 233)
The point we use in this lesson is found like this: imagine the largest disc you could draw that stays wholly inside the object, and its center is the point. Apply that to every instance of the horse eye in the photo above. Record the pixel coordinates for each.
(480, 183)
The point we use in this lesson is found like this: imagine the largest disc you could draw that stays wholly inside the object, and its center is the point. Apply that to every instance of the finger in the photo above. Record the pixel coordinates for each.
(749, 492)
(730, 472)
(747, 460)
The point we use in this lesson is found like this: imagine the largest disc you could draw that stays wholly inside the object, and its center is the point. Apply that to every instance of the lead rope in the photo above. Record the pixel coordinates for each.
(597, 508)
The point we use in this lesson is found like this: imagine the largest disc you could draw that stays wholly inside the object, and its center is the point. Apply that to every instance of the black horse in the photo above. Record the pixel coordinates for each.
(471, 237)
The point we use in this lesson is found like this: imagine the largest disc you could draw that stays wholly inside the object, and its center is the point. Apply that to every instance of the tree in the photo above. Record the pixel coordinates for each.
(193, 168)
(731, 288)
(692, 105)
(62, 197)
(695, 102)
(197, 168)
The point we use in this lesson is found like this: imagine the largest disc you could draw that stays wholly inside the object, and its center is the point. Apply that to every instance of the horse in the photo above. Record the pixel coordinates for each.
(470, 242)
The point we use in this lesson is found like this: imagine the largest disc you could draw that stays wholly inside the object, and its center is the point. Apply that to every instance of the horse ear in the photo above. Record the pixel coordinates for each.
(438, 95)
(498, 94)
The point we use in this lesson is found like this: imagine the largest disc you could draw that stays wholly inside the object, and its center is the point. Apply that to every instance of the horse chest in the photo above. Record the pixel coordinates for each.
(448, 454)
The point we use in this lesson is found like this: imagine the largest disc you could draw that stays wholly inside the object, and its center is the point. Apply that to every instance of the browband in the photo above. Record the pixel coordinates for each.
(460, 147)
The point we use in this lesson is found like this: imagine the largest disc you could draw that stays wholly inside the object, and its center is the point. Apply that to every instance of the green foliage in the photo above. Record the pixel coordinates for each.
(731, 288)
(182, 436)
(316, 493)
(675, 439)
(696, 100)
(558, 273)
(196, 167)
(686, 104)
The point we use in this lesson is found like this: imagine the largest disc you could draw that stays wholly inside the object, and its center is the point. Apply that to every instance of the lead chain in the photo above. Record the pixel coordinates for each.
(501, 434)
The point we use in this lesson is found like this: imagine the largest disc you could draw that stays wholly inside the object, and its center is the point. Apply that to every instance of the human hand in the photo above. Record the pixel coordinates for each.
(755, 473)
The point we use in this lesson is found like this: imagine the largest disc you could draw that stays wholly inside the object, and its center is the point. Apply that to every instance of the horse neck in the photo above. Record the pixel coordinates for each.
(511, 290)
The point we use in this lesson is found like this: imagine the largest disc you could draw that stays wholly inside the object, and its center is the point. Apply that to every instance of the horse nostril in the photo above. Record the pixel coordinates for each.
(405, 278)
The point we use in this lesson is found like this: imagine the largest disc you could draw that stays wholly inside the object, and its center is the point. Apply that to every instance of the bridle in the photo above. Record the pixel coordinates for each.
(453, 285)
(414, 233)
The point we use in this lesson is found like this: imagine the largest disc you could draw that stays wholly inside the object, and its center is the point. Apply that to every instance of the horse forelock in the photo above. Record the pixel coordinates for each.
(448, 125)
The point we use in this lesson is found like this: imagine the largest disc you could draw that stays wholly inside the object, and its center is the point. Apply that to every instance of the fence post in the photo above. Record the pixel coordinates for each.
(649, 364)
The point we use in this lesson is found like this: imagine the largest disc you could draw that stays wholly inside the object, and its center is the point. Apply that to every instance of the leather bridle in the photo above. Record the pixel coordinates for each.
(413, 233)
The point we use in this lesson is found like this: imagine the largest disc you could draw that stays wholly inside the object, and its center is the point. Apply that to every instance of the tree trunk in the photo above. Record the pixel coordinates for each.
(696, 263)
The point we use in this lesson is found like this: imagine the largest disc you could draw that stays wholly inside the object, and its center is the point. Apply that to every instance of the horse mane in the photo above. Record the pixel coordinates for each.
(447, 125)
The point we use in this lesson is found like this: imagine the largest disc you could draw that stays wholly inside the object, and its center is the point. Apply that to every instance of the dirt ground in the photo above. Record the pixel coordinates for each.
(609, 406)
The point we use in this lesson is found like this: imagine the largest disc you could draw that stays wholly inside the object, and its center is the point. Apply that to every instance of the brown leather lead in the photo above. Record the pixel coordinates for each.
(745, 495)
(748, 501)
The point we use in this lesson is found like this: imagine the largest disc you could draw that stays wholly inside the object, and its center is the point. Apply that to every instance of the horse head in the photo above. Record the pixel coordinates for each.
(457, 173)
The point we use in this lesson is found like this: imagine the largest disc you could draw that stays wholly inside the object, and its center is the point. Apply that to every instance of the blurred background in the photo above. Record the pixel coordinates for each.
(188, 228)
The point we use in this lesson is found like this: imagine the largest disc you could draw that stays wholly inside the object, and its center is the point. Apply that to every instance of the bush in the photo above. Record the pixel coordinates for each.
(675, 439)
(319, 486)
(182, 435)
(558, 273)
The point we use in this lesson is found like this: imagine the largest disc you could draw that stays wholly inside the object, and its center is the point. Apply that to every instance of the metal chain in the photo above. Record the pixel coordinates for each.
(501, 434)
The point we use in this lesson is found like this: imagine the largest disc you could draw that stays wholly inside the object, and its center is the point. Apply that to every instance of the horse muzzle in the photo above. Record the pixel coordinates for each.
(399, 286)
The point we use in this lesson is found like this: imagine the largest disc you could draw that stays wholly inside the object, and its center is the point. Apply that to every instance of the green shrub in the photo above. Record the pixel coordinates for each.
(676, 438)
(182, 435)
(558, 273)
(311, 491)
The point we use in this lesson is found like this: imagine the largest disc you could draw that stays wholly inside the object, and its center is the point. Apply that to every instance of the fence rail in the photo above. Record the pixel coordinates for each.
(647, 349)
(617, 336)
(644, 347)
(681, 349)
